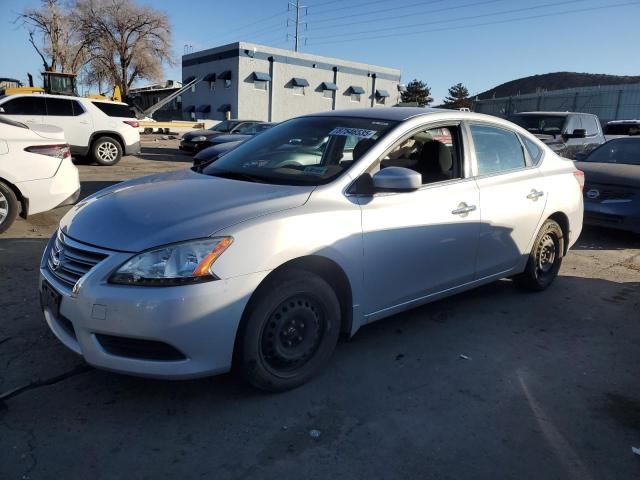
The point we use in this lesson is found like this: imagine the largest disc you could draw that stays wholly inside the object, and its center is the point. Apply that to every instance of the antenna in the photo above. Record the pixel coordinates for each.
(297, 7)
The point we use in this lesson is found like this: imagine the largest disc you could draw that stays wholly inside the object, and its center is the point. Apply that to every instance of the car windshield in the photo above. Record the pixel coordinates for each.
(225, 126)
(302, 151)
(622, 129)
(247, 129)
(624, 150)
(540, 124)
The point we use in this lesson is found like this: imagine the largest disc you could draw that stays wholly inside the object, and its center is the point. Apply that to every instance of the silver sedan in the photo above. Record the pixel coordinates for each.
(313, 229)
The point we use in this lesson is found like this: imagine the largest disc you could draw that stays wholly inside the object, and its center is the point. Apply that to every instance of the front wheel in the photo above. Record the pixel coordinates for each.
(106, 151)
(289, 332)
(545, 258)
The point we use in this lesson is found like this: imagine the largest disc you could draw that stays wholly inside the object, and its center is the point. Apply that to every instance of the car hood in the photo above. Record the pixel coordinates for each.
(610, 173)
(231, 137)
(171, 207)
(201, 133)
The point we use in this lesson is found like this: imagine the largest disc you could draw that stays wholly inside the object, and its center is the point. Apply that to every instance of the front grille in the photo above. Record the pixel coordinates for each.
(68, 260)
(609, 192)
(140, 349)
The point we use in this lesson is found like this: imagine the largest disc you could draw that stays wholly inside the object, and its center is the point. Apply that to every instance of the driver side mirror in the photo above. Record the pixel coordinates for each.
(577, 133)
(396, 179)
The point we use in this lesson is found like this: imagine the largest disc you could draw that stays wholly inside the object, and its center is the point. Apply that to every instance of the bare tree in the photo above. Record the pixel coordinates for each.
(54, 37)
(126, 42)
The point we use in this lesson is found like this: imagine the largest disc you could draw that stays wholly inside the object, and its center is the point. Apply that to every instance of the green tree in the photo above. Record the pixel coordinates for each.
(417, 92)
(458, 97)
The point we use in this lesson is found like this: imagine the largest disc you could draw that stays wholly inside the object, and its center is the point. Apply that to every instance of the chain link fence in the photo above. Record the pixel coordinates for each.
(610, 102)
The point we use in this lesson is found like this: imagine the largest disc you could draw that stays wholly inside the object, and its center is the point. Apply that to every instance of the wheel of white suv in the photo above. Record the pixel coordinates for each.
(8, 207)
(106, 151)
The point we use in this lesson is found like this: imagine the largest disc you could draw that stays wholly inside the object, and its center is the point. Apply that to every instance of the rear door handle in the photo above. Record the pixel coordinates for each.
(463, 209)
(535, 194)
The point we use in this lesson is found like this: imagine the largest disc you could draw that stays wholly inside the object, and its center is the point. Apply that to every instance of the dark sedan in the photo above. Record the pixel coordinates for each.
(223, 143)
(198, 139)
(612, 184)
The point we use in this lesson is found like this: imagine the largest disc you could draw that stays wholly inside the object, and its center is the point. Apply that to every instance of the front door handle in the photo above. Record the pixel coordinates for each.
(535, 194)
(463, 209)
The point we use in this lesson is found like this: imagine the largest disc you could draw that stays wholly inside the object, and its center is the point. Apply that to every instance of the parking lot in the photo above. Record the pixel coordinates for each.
(494, 383)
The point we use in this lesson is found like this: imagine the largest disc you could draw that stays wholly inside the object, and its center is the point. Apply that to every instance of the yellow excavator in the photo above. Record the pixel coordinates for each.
(57, 83)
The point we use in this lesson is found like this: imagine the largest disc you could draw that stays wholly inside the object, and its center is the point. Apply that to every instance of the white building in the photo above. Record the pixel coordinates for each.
(257, 82)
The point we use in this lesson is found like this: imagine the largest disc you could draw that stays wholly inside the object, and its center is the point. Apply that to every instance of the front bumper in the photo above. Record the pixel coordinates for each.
(199, 321)
(190, 146)
(621, 215)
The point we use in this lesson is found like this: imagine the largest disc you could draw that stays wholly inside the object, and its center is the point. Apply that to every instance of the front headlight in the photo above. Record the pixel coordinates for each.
(201, 138)
(177, 264)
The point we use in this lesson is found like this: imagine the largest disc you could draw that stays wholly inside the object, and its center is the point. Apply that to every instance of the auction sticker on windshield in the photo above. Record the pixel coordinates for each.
(353, 132)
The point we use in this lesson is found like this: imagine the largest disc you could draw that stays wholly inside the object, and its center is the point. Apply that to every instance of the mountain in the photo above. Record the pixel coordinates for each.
(555, 81)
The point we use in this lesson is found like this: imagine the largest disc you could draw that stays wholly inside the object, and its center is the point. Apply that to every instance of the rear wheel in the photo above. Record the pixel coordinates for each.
(289, 332)
(545, 258)
(9, 207)
(106, 151)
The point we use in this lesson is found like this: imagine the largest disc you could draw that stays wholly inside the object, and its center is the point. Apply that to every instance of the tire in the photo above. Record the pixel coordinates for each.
(544, 260)
(106, 151)
(9, 207)
(289, 331)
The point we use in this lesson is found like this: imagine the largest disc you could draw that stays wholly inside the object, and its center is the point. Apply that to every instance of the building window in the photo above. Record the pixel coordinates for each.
(297, 90)
(212, 86)
(227, 84)
(327, 94)
(193, 88)
(355, 97)
(380, 100)
(260, 85)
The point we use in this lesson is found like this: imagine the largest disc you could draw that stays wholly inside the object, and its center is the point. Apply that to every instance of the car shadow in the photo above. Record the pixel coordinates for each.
(600, 238)
(165, 154)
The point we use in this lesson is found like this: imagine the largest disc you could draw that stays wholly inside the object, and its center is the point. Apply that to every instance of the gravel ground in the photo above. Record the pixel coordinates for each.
(489, 384)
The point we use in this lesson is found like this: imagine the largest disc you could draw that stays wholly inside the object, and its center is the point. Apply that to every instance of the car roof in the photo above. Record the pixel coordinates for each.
(66, 97)
(558, 114)
(381, 113)
(622, 122)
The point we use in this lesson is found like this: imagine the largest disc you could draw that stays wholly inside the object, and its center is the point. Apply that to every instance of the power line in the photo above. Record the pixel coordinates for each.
(377, 12)
(468, 17)
(530, 17)
(412, 14)
(367, 4)
(321, 4)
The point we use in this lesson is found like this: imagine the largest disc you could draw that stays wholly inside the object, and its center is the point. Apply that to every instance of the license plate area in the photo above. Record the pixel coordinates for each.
(50, 299)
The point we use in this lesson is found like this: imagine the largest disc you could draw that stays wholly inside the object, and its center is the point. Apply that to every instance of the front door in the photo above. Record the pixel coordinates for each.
(421, 242)
(70, 116)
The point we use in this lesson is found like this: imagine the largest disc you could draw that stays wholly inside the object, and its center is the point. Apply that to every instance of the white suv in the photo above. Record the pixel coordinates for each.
(101, 129)
(36, 172)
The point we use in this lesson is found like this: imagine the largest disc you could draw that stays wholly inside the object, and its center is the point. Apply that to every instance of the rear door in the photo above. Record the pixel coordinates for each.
(29, 110)
(512, 199)
(70, 116)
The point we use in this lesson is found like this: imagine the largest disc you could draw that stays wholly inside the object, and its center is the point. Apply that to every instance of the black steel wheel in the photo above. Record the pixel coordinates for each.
(289, 331)
(545, 258)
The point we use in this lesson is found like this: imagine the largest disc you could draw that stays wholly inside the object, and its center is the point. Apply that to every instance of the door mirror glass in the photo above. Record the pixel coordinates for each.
(397, 179)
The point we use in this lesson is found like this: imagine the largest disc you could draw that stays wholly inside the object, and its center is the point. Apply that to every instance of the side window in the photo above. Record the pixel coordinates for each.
(77, 108)
(590, 124)
(25, 106)
(535, 152)
(433, 152)
(497, 150)
(59, 107)
(573, 123)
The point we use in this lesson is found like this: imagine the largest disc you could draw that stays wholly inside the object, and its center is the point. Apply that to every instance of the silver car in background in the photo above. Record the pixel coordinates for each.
(314, 228)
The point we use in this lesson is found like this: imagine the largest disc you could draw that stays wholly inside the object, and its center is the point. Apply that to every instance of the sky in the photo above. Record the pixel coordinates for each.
(480, 43)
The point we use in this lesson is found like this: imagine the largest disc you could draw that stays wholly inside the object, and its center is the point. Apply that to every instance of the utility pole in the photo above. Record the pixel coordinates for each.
(297, 8)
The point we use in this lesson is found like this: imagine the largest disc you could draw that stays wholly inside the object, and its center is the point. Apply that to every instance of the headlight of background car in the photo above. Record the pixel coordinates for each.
(177, 264)
(201, 138)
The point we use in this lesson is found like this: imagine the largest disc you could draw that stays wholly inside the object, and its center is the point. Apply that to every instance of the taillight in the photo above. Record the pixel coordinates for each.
(132, 123)
(579, 174)
(57, 151)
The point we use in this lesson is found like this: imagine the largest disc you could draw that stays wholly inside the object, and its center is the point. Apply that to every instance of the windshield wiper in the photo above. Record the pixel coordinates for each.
(236, 176)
